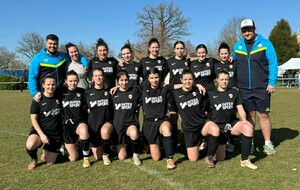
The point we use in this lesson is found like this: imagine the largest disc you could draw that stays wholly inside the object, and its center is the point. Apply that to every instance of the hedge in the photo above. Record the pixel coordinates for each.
(9, 86)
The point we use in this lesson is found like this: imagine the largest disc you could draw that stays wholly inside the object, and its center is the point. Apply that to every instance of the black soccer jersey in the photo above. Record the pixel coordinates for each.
(154, 101)
(223, 105)
(204, 73)
(72, 104)
(190, 107)
(49, 114)
(175, 68)
(134, 71)
(125, 106)
(109, 67)
(231, 69)
(159, 62)
(99, 103)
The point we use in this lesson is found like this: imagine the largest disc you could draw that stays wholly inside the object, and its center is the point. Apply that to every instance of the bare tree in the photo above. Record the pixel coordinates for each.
(230, 34)
(9, 60)
(30, 44)
(164, 22)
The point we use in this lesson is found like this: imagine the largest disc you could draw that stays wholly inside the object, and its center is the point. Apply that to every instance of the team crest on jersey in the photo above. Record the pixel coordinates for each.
(230, 95)
(259, 45)
(240, 47)
(186, 64)
(147, 68)
(194, 94)
(109, 62)
(130, 96)
(230, 66)
(57, 102)
(105, 93)
(78, 94)
(136, 69)
(45, 60)
(207, 64)
(147, 90)
(158, 61)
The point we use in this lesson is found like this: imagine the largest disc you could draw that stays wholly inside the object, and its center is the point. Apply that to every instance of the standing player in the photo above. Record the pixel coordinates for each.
(74, 121)
(176, 65)
(76, 65)
(108, 64)
(125, 102)
(203, 68)
(155, 104)
(100, 110)
(224, 103)
(189, 102)
(154, 60)
(133, 69)
(225, 64)
(46, 122)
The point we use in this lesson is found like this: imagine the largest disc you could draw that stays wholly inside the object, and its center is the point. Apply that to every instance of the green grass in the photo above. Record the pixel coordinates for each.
(275, 172)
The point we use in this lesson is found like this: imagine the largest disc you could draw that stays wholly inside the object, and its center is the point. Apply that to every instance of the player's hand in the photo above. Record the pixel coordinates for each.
(271, 89)
(121, 63)
(44, 139)
(113, 90)
(201, 89)
(230, 59)
(37, 96)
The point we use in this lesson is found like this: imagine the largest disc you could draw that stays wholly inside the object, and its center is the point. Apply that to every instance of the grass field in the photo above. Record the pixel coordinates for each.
(275, 172)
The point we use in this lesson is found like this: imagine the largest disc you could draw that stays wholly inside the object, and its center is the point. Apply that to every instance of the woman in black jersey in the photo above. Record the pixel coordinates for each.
(73, 118)
(224, 103)
(46, 122)
(175, 66)
(203, 68)
(226, 64)
(189, 102)
(126, 103)
(133, 68)
(154, 60)
(108, 64)
(100, 109)
(155, 104)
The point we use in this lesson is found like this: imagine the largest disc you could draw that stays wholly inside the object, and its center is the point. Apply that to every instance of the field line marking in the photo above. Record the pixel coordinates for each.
(13, 133)
(159, 176)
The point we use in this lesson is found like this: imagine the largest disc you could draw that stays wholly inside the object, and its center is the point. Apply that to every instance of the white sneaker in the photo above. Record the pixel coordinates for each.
(106, 160)
(248, 164)
(136, 159)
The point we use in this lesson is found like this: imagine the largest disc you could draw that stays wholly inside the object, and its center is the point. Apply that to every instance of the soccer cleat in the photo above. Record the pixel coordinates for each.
(209, 162)
(32, 164)
(86, 162)
(247, 163)
(136, 159)
(269, 149)
(106, 160)
(170, 164)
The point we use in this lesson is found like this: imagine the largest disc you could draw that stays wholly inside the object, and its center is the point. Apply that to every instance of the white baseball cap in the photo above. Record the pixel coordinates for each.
(247, 23)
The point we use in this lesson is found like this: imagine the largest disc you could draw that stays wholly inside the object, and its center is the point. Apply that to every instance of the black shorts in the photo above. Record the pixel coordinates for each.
(255, 100)
(69, 134)
(192, 138)
(224, 135)
(55, 140)
(151, 129)
(121, 138)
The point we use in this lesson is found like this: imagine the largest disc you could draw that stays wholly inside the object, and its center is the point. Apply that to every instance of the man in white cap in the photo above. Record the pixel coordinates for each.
(257, 69)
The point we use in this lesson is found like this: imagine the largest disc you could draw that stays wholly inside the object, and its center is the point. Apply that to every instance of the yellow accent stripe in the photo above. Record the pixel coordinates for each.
(259, 50)
(240, 52)
(53, 66)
